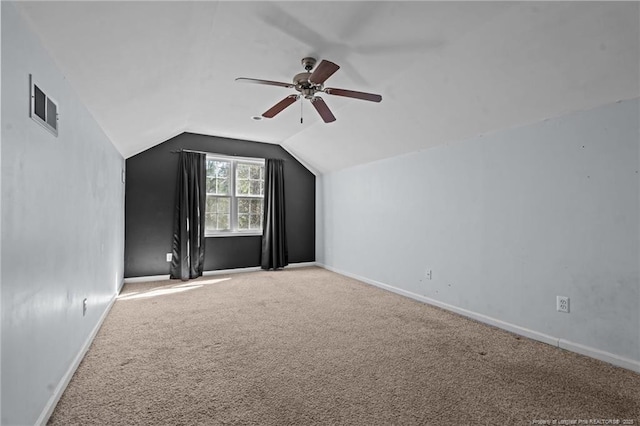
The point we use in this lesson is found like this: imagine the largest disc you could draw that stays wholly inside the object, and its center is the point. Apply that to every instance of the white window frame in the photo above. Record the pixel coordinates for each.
(233, 217)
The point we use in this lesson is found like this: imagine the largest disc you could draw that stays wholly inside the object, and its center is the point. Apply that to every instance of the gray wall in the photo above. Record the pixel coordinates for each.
(150, 194)
(506, 222)
(62, 228)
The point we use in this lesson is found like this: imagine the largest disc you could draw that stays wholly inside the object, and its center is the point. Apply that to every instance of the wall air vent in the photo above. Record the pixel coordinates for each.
(43, 110)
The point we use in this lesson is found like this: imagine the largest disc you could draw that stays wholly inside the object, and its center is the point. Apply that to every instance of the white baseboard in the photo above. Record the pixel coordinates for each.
(605, 356)
(216, 272)
(231, 271)
(611, 358)
(146, 279)
(62, 385)
(300, 265)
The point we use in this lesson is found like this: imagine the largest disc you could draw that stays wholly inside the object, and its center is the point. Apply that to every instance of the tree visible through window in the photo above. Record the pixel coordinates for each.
(235, 193)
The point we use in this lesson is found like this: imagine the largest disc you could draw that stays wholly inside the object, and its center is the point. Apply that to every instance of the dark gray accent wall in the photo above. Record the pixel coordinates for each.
(149, 204)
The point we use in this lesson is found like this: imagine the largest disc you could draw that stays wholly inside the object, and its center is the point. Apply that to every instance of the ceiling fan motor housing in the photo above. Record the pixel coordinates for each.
(304, 86)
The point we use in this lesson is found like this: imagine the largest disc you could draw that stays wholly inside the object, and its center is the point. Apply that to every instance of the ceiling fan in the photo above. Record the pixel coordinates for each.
(308, 84)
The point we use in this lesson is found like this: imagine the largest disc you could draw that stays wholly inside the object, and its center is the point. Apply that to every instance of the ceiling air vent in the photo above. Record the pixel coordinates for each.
(44, 110)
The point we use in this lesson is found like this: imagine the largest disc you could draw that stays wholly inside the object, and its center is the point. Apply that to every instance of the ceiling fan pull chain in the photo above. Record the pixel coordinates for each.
(301, 121)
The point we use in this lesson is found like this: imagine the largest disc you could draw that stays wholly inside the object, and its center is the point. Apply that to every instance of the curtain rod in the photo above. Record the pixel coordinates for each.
(189, 150)
(208, 153)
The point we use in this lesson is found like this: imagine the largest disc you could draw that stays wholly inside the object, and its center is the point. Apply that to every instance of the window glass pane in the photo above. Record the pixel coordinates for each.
(255, 187)
(211, 185)
(211, 204)
(255, 217)
(244, 206)
(242, 187)
(211, 166)
(255, 221)
(222, 186)
(222, 168)
(223, 222)
(224, 205)
(242, 171)
(249, 214)
(243, 221)
(249, 179)
(218, 177)
(217, 213)
(217, 168)
(210, 220)
(255, 172)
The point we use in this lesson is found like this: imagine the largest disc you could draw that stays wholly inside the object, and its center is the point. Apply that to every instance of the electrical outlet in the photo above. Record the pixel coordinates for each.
(84, 307)
(169, 257)
(562, 304)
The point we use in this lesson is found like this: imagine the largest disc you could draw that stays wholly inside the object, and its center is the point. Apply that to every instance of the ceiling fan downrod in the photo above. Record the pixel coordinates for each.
(308, 63)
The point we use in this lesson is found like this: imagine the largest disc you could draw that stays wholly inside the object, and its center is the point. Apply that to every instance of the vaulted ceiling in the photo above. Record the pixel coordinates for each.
(447, 71)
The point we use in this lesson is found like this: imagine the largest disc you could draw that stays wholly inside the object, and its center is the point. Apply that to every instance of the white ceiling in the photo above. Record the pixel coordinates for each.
(447, 71)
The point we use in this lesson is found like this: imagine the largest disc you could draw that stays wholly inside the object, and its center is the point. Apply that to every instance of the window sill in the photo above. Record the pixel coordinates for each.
(234, 234)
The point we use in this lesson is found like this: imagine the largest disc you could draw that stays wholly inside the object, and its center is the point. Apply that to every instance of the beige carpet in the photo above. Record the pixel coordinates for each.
(307, 347)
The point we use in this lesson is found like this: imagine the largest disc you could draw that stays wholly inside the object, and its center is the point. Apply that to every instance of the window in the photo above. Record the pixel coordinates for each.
(44, 110)
(235, 194)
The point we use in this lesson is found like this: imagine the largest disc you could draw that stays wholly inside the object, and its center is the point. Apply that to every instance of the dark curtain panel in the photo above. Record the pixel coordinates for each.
(188, 222)
(274, 237)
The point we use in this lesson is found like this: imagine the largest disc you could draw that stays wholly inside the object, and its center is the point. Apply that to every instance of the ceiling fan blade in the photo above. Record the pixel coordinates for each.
(323, 109)
(323, 72)
(353, 94)
(277, 108)
(266, 82)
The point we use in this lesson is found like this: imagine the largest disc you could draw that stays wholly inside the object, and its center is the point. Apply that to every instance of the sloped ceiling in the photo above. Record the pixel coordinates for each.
(446, 70)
